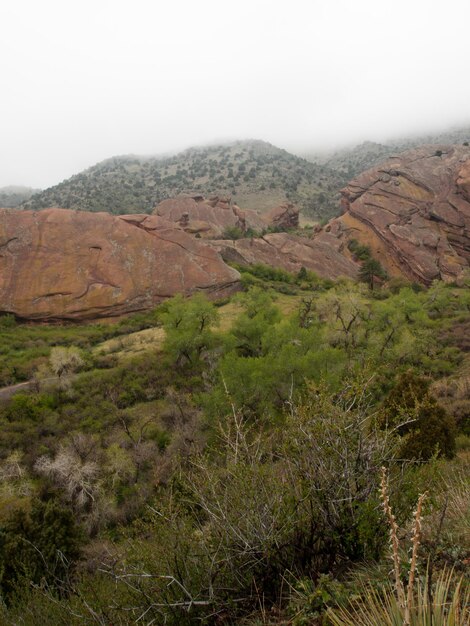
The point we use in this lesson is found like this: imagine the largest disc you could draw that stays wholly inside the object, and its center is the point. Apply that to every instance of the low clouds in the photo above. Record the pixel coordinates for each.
(82, 81)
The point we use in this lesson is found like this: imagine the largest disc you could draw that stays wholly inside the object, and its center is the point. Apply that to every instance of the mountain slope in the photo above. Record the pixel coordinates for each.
(256, 174)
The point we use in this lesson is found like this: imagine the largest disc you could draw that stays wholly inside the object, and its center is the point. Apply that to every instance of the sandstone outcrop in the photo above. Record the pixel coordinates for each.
(284, 216)
(324, 256)
(209, 218)
(413, 211)
(61, 264)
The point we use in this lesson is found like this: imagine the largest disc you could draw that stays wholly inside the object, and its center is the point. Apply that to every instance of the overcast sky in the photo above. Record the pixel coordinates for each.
(83, 80)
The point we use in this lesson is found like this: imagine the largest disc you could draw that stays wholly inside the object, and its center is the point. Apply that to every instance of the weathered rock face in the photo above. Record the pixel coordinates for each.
(284, 216)
(414, 212)
(62, 264)
(290, 252)
(210, 218)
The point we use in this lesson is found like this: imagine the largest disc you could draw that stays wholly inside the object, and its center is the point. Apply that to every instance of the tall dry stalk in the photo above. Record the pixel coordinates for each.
(416, 540)
(405, 601)
(394, 541)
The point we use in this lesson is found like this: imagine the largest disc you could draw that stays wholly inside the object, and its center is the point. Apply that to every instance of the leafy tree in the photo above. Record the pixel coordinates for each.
(259, 314)
(65, 360)
(188, 324)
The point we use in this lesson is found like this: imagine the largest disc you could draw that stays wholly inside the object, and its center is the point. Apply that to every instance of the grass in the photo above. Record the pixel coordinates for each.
(132, 344)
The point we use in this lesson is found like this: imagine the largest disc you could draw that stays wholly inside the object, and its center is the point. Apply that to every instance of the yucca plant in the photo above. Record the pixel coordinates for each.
(417, 604)
(449, 607)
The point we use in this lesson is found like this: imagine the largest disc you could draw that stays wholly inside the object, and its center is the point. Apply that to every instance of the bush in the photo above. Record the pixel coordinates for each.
(425, 426)
(360, 251)
(233, 232)
(448, 606)
(41, 546)
(300, 502)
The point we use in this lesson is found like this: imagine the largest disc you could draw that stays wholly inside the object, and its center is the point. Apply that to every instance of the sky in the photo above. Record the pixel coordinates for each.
(84, 80)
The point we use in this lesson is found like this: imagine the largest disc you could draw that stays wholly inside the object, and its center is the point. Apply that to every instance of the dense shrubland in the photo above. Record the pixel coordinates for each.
(232, 472)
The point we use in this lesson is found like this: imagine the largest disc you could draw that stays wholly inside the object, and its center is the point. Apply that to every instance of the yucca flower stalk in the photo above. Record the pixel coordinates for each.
(391, 606)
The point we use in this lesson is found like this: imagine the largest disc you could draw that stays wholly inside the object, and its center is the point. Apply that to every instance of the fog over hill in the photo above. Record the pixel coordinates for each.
(14, 195)
(256, 174)
(81, 86)
(350, 161)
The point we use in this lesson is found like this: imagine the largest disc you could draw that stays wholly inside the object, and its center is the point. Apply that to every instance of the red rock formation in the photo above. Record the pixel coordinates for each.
(291, 252)
(414, 212)
(210, 218)
(283, 217)
(62, 264)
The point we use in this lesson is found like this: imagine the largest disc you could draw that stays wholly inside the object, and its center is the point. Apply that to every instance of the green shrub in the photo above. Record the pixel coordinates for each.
(425, 426)
(40, 546)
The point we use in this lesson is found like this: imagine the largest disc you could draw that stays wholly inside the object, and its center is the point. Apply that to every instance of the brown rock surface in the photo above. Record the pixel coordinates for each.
(62, 264)
(291, 252)
(284, 216)
(208, 217)
(414, 212)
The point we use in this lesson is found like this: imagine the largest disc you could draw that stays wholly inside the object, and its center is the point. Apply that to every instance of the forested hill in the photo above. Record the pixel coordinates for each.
(256, 174)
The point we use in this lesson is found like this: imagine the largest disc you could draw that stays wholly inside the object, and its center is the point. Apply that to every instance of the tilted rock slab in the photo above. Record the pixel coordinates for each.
(290, 252)
(414, 212)
(58, 264)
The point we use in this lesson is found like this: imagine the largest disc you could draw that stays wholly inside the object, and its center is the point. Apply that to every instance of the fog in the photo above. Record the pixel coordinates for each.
(85, 80)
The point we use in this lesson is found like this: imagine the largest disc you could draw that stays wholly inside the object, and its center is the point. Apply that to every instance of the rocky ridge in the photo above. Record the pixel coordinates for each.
(210, 218)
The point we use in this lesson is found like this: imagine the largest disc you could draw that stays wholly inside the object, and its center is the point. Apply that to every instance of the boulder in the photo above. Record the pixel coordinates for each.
(58, 264)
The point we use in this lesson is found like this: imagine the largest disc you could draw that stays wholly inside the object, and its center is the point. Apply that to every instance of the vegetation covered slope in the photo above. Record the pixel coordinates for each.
(256, 174)
(235, 462)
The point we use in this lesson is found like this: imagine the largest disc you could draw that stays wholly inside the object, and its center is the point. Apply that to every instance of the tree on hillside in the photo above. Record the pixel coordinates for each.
(370, 271)
(259, 314)
(188, 324)
(64, 361)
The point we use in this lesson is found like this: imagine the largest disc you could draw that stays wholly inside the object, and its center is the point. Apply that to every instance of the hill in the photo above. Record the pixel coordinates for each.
(256, 174)
(12, 196)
